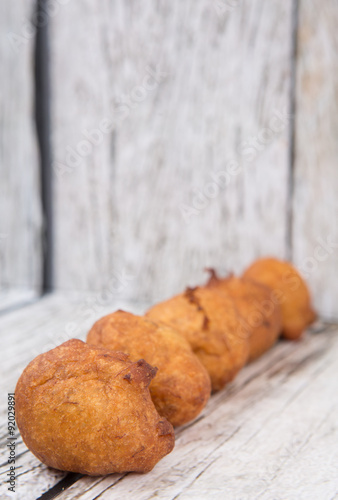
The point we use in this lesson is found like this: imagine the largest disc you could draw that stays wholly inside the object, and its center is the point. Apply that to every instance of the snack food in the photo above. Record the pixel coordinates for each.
(289, 289)
(261, 316)
(85, 409)
(211, 324)
(182, 386)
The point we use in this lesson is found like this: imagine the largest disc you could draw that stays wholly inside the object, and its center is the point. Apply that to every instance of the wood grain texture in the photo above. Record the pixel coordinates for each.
(315, 207)
(20, 208)
(217, 106)
(270, 434)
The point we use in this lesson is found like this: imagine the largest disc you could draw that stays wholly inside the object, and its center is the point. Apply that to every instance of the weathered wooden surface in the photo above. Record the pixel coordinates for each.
(272, 434)
(188, 91)
(20, 208)
(315, 207)
(16, 298)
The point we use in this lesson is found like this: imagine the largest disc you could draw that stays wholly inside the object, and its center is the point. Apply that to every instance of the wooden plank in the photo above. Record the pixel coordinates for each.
(315, 208)
(193, 91)
(263, 431)
(15, 298)
(20, 208)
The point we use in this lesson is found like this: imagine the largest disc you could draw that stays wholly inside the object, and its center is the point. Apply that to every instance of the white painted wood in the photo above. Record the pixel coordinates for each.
(15, 298)
(315, 207)
(20, 208)
(223, 79)
(272, 434)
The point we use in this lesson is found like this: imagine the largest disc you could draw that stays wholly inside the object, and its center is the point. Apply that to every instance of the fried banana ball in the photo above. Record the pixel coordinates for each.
(85, 409)
(289, 289)
(261, 316)
(182, 386)
(210, 323)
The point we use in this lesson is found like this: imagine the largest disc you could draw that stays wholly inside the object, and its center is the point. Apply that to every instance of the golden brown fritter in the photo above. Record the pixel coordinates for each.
(85, 409)
(182, 386)
(261, 316)
(289, 289)
(210, 323)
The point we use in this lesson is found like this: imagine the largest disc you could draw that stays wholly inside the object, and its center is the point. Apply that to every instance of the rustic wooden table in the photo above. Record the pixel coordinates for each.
(271, 434)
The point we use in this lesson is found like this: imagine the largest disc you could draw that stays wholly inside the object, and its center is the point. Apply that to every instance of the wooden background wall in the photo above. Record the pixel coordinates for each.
(150, 104)
(315, 201)
(20, 207)
(222, 79)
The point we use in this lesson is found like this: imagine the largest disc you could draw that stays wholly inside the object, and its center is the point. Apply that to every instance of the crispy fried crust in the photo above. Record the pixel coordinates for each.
(182, 386)
(261, 315)
(289, 289)
(210, 323)
(85, 409)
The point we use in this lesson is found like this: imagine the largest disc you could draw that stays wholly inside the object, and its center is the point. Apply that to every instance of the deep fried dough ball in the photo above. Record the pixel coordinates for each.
(261, 316)
(85, 409)
(182, 386)
(210, 323)
(289, 289)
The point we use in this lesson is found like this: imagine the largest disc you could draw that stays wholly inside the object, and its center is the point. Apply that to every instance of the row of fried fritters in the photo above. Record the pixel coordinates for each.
(90, 408)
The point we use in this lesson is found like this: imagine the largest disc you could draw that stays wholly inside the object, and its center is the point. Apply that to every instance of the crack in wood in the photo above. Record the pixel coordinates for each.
(59, 487)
